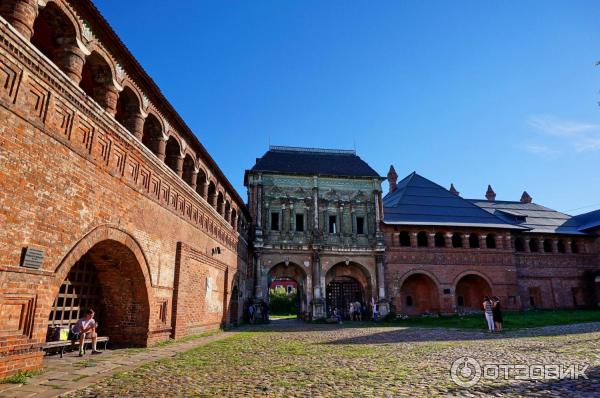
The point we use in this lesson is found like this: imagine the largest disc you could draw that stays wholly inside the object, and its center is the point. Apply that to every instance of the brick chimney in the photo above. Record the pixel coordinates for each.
(525, 198)
(392, 179)
(453, 190)
(490, 194)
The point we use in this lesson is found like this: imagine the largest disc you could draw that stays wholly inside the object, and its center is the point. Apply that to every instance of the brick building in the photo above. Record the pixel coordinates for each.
(420, 249)
(108, 200)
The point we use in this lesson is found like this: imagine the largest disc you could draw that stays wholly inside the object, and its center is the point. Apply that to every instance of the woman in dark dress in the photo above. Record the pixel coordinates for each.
(497, 313)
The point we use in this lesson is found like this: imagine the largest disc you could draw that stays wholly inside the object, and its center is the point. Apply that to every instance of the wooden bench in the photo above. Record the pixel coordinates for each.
(72, 344)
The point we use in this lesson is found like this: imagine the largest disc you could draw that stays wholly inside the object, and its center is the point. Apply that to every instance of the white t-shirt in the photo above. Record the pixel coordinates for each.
(83, 324)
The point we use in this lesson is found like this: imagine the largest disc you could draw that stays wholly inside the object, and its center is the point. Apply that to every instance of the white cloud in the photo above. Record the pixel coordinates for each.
(582, 136)
(541, 150)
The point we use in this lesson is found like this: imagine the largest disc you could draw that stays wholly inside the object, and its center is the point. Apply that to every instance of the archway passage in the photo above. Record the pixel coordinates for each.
(233, 306)
(342, 291)
(346, 283)
(287, 289)
(107, 278)
(470, 291)
(418, 295)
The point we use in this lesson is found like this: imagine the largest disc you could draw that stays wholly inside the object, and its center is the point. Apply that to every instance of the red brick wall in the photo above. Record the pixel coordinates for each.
(72, 178)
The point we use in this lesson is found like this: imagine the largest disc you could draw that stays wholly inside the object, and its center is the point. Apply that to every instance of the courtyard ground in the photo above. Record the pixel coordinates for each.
(288, 358)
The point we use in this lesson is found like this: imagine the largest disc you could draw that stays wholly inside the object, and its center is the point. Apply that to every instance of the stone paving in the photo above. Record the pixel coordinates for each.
(70, 373)
(293, 359)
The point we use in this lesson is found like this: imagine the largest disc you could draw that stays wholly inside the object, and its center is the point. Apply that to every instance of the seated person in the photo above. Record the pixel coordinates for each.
(86, 328)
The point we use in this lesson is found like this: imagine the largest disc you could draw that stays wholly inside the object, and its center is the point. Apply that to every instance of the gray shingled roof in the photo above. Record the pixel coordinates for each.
(313, 161)
(419, 201)
(535, 217)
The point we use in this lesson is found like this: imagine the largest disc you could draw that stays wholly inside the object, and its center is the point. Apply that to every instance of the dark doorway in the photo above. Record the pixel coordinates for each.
(341, 292)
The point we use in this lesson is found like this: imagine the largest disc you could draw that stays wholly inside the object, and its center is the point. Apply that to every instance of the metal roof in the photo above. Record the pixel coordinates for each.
(535, 217)
(588, 220)
(313, 161)
(419, 201)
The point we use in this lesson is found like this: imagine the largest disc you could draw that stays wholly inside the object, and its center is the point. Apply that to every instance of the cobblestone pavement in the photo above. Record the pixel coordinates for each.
(71, 372)
(292, 359)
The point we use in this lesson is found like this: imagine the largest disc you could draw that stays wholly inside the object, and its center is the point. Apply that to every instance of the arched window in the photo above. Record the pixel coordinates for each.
(534, 246)
(456, 240)
(54, 35)
(201, 183)
(212, 194)
(519, 245)
(97, 82)
(547, 246)
(490, 241)
(474, 241)
(227, 210)
(560, 246)
(440, 240)
(220, 203)
(189, 169)
(172, 154)
(128, 111)
(233, 220)
(404, 239)
(152, 134)
(574, 247)
(422, 239)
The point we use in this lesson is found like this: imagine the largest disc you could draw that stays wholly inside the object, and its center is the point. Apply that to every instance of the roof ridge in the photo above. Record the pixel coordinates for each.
(328, 151)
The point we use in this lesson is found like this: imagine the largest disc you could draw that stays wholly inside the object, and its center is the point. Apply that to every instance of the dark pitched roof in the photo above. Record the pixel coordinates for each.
(535, 217)
(588, 220)
(313, 161)
(419, 201)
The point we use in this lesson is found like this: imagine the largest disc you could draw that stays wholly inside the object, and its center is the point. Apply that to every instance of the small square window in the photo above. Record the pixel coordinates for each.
(360, 225)
(299, 222)
(274, 221)
(332, 224)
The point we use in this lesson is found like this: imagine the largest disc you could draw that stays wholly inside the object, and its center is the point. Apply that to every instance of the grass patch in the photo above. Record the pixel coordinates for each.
(512, 320)
(80, 377)
(283, 316)
(20, 377)
(187, 338)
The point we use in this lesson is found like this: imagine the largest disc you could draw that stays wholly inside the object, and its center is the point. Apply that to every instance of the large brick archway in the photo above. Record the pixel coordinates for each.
(106, 270)
(419, 294)
(470, 290)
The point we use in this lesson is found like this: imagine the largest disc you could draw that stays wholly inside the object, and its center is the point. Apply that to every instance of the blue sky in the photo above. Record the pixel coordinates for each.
(470, 92)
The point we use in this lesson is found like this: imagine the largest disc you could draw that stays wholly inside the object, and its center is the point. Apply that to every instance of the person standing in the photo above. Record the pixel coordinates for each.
(357, 311)
(488, 308)
(497, 314)
(351, 311)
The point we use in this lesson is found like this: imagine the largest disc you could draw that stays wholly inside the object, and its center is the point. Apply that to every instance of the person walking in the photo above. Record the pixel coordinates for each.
(488, 308)
(497, 314)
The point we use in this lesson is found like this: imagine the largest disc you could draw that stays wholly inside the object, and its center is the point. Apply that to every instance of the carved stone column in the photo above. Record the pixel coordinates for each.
(20, 14)
(413, 239)
(70, 58)
(318, 302)
(382, 301)
(179, 166)
(106, 95)
(194, 179)
(135, 122)
(161, 148)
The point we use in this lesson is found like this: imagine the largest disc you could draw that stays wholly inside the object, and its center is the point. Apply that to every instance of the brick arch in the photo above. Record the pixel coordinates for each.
(116, 263)
(419, 293)
(96, 47)
(470, 287)
(399, 281)
(69, 13)
(98, 235)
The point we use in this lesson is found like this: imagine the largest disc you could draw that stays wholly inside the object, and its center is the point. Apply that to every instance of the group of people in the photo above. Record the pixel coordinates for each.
(356, 311)
(258, 313)
(493, 314)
